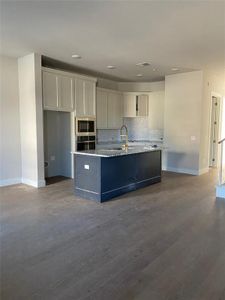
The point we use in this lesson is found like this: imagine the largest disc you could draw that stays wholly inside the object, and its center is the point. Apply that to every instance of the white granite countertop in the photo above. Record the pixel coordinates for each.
(118, 152)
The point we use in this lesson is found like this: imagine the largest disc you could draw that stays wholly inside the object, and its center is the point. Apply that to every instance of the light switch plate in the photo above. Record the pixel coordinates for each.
(86, 167)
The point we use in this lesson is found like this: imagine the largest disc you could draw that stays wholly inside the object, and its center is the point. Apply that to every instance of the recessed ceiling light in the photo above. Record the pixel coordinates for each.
(139, 75)
(76, 56)
(174, 69)
(143, 64)
(111, 67)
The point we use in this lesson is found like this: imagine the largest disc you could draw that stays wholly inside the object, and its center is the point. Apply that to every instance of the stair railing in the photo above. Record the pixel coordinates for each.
(222, 162)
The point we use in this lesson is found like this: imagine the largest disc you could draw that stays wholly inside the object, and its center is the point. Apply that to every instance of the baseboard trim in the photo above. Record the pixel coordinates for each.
(37, 184)
(183, 171)
(11, 181)
(203, 171)
(187, 171)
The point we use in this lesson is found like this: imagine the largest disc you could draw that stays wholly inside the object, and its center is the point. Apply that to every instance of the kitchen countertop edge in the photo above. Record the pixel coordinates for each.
(100, 153)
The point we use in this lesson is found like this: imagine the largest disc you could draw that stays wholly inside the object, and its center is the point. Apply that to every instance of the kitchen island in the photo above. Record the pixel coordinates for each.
(104, 174)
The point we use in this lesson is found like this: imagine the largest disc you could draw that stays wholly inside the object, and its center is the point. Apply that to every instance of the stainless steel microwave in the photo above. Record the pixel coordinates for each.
(85, 126)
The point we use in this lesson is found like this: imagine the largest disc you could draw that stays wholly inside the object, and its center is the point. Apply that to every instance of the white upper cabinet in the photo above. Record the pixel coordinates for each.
(135, 105)
(101, 109)
(129, 105)
(85, 98)
(64, 91)
(50, 90)
(115, 107)
(89, 97)
(109, 109)
(57, 92)
(79, 98)
(142, 105)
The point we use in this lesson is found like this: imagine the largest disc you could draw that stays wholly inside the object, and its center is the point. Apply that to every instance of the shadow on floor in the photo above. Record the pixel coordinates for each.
(55, 179)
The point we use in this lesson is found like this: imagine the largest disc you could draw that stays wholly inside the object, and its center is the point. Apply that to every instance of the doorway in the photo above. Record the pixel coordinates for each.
(214, 132)
(57, 146)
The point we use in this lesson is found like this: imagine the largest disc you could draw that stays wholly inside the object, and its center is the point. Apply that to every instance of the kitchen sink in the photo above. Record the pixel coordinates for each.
(117, 148)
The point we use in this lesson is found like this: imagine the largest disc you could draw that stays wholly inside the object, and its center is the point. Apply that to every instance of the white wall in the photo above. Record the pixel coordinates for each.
(156, 110)
(182, 122)
(10, 153)
(31, 120)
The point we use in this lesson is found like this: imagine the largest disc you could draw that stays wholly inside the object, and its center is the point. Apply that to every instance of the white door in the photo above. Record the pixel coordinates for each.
(101, 109)
(66, 98)
(142, 105)
(50, 90)
(79, 98)
(129, 103)
(114, 111)
(89, 98)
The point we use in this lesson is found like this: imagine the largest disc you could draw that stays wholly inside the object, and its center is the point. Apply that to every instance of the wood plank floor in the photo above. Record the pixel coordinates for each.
(166, 241)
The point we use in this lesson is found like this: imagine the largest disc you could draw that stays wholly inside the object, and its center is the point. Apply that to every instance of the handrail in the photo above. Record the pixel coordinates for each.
(221, 141)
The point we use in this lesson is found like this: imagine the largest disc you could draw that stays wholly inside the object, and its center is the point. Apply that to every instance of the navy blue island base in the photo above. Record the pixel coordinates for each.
(102, 178)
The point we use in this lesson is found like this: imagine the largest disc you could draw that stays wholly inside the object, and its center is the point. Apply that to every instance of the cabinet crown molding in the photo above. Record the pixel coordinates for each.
(136, 93)
(70, 74)
(109, 91)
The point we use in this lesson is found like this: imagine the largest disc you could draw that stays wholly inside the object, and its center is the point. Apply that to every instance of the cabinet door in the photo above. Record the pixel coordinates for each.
(114, 111)
(79, 99)
(129, 105)
(142, 106)
(66, 94)
(50, 90)
(89, 98)
(101, 112)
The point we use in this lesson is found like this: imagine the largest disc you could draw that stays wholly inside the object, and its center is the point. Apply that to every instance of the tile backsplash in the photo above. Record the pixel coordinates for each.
(138, 129)
(106, 135)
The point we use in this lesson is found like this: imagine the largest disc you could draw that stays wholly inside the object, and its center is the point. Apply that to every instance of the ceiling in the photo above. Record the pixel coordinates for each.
(189, 35)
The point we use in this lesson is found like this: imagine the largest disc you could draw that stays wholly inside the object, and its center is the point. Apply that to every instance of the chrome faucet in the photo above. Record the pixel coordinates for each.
(125, 146)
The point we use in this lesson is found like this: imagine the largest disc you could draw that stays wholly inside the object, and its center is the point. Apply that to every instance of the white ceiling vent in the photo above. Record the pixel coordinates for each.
(143, 64)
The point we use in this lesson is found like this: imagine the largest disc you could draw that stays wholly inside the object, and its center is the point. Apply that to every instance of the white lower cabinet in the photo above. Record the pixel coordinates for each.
(109, 109)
